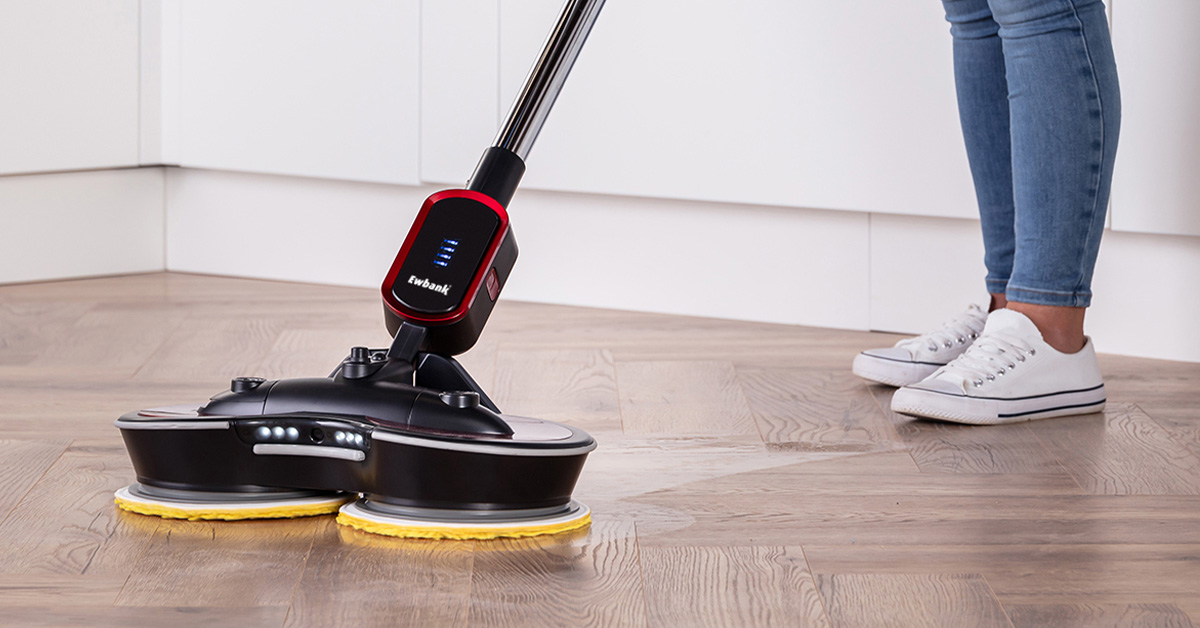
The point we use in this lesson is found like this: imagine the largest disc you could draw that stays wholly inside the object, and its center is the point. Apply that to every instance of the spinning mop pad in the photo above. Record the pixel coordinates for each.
(576, 516)
(231, 508)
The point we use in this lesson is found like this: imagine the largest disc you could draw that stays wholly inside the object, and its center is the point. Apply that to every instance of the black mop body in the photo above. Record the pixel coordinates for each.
(399, 440)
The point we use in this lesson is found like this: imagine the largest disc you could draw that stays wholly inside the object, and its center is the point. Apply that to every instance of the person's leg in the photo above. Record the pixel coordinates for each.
(979, 79)
(1065, 110)
(1031, 360)
(983, 109)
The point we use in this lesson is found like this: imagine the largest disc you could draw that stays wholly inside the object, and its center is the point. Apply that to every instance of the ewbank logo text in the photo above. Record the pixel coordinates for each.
(429, 285)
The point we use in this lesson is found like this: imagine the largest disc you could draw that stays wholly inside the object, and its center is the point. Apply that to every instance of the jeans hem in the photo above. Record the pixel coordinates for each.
(1048, 297)
(996, 286)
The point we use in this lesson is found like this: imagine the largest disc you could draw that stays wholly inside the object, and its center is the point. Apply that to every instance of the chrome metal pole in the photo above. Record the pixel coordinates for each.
(547, 76)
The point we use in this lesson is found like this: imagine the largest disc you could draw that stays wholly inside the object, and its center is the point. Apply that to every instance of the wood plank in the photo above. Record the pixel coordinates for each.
(24, 462)
(68, 524)
(1182, 422)
(213, 348)
(1040, 574)
(873, 600)
(55, 616)
(730, 586)
(220, 563)
(57, 590)
(700, 397)
(29, 325)
(118, 340)
(1122, 452)
(1098, 615)
(591, 579)
(578, 387)
(818, 410)
(357, 579)
(76, 404)
(941, 447)
(840, 517)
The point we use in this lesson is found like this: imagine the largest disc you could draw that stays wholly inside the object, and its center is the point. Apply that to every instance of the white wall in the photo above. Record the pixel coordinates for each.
(794, 162)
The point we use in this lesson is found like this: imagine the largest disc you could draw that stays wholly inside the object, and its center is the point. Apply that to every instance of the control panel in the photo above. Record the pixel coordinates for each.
(450, 270)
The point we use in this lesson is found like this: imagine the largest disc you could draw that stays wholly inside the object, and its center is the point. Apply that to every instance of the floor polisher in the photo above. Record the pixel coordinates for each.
(399, 440)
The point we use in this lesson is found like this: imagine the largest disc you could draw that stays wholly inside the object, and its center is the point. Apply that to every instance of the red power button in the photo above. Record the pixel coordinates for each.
(493, 284)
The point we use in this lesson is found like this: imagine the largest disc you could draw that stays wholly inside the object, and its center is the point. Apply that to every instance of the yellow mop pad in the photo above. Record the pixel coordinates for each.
(353, 515)
(231, 511)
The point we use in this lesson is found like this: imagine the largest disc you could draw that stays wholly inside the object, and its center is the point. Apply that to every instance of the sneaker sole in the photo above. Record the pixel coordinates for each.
(995, 411)
(891, 372)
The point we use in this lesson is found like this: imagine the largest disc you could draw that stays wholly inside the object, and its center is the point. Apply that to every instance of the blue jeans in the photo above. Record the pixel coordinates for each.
(1041, 111)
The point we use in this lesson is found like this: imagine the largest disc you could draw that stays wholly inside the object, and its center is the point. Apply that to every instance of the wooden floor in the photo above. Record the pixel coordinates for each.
(744, 478)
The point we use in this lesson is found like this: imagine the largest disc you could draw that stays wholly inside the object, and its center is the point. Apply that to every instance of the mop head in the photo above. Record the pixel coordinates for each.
(227, 506)
(361, 515)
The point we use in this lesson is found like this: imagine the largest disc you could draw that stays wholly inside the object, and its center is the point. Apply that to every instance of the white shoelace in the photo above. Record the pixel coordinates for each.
(961, 329)
(990, 357)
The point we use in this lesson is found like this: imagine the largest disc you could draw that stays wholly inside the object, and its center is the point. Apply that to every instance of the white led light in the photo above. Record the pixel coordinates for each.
(340, 437)
(263, 433)
(358, 439)
(293, 433)
(277, 432)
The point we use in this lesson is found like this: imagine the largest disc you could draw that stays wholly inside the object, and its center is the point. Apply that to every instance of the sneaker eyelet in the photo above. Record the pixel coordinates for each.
(932, 347)
(978, 383)
(961, 340)
(948, 345)
(991, 378)
(1033, 352)
(1020, 358)
(1001, 372)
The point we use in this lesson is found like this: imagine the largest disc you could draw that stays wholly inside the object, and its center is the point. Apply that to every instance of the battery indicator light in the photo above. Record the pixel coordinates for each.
(446, 252)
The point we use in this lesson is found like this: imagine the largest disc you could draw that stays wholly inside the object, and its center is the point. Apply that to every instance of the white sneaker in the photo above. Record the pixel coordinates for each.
(1008, 375)
(913, 359)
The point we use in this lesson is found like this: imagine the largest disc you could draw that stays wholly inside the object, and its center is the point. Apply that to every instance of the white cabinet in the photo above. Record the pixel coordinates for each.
(459, 86)
(1156, 184)
(805, 103)
(69, 85)
(301, 87)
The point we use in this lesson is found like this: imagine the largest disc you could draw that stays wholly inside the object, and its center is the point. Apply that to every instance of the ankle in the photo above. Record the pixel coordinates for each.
(1061, 327)
(998, 301)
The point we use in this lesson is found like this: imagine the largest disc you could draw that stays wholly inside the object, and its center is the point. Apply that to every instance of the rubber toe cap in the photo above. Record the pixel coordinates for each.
(891, 353)
(940, 385)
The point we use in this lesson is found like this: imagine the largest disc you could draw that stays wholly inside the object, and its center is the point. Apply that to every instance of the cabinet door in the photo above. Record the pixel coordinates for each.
(69, 79)
(836, 105)
(301, 87)
(1156, 184)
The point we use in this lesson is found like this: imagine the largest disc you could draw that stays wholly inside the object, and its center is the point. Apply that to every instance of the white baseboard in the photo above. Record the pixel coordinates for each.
(80, 224)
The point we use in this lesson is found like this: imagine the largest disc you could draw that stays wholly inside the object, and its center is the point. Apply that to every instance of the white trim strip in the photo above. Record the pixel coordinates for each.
(517, 448)
(171, 425)
(317, 451)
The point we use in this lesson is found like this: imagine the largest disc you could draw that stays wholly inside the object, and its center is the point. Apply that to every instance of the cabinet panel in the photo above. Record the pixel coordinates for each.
(1156, 184)
(459, 86)
(69, 75)
(806, 103)
(301, 87)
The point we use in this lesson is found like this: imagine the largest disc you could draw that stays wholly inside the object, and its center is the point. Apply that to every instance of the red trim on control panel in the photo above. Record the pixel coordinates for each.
(390, 300)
